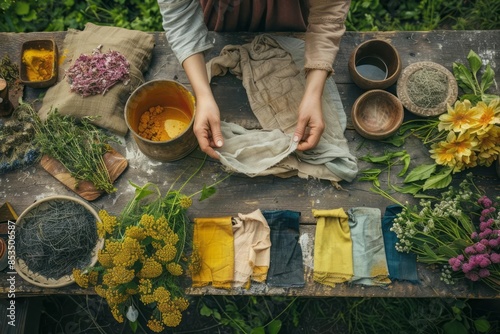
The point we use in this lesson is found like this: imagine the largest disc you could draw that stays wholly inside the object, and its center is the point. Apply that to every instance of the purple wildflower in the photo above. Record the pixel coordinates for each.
(485, 201)
(495, 258)
(493, 243)
(479, 247)
(486, 233)
(472, 276)
(484, 273)
(470, 250)
(467, 267)
(473, 235)
(484, 262)
(460, 257)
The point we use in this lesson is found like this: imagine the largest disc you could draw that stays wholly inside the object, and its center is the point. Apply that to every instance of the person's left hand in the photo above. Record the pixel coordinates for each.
(310, 124)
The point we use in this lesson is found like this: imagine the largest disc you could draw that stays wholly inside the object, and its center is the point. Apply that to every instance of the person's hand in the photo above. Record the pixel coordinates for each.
(310, 123)
(207, 118)
(207, 126)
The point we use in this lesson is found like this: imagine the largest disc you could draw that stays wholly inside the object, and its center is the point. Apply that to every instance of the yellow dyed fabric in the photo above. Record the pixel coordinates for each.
(214, 241)
(333, 261)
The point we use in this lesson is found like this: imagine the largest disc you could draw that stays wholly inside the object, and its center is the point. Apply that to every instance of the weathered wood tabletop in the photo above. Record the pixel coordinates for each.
(241, 194)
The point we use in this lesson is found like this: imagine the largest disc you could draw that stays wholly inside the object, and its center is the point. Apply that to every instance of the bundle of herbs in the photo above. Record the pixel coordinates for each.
(55, 237)
(78, 145)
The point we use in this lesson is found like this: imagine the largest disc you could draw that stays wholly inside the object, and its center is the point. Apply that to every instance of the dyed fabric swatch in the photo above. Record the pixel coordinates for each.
(286, 266)
(252, 248)
(213, 240)
(333, 261)
(369, 260)
(402, 266)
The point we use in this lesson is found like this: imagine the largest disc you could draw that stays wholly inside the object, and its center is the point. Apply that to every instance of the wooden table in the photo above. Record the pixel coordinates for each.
(241, 194)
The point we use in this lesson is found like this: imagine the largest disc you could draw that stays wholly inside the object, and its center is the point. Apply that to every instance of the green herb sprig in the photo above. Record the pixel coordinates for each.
(78, 146)
(468, 79)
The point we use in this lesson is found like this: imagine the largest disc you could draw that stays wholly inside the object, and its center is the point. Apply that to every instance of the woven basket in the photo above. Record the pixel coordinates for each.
(35, 278)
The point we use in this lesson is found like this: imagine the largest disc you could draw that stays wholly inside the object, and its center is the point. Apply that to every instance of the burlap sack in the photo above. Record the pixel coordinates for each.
(137, 48)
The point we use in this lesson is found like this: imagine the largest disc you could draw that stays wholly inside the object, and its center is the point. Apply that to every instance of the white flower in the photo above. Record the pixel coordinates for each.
(132, 313)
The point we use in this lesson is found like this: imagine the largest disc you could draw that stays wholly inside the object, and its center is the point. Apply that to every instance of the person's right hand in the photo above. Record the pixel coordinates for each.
(207, 117)
(207, 126)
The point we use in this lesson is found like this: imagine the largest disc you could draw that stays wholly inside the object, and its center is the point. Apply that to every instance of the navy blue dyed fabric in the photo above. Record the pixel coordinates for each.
(402, 266)
(286, 267)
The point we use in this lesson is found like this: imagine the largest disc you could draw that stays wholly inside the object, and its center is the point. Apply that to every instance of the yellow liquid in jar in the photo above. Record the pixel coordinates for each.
(163, 123)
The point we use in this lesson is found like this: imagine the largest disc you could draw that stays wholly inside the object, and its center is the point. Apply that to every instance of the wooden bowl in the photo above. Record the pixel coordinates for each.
(374, 64)
(377, 114)
(36, 278)
(39, 45)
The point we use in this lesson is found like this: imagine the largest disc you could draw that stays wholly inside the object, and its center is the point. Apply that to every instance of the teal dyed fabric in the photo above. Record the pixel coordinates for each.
(286, 267)
(402, 266)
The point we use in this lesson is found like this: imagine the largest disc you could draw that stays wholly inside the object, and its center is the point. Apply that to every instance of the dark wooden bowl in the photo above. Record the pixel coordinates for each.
(382, 52)
(377, 114)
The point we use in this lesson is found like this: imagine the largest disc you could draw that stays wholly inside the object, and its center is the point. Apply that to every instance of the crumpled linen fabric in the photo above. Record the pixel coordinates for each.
(333, 257)
(286, 266)
(369, 259)
(269, 70)
(252, 248)
(402, 266)
(213, 239)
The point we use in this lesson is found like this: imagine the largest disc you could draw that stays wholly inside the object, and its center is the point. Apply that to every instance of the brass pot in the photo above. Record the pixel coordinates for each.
(167, 94)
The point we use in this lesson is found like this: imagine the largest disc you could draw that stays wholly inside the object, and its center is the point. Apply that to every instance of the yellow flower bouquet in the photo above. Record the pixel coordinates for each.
(143, 257)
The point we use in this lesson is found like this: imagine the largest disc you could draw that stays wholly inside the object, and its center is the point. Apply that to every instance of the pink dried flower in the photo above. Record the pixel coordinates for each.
(493, 243)
(472, 276)
(467, 267)
(460, 257)
(486, 233)
(470, 250)
(97, 73)
(485, 201)
(495, 257)
(484, 273)
(484, 262)
(479, 247)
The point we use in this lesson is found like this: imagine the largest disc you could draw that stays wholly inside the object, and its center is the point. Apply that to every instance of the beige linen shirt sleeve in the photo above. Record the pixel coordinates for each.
(324, 32)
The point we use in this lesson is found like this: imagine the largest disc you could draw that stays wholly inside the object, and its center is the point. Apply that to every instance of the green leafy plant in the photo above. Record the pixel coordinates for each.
(474, 87)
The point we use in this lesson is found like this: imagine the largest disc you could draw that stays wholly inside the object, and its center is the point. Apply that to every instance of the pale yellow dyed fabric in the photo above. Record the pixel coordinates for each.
(214, 241)
(333, 261)
(252, 248)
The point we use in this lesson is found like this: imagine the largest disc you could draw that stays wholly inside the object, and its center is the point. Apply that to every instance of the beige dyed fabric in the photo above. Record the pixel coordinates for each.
(252, 248)
(137, 48)
(269, 69)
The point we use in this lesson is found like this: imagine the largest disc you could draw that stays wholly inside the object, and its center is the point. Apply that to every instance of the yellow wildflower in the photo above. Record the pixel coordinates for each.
(185, 202)
(161, 295)
(100, 291)
(129, 254)
(82, 279)
(135, 232)
(194, 265)
(93, 277)
(166, 253)
(109, 222)
(131, 292)
(145, 286)
(489, 116)
(459, 118)
(122, 275)
(172, 319)
(101, 232)
(155, 325)
(455, 152)
(113, 247)
(181, 303)
(117, 314)
(147, 299)
(115, 297)
(175, 269)
(105, 259)
(150, 269)
(489, 146)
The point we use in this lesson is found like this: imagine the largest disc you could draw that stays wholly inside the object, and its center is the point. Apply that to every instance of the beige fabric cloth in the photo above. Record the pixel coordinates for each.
(269, 68)
(252, 248)
(137, 48)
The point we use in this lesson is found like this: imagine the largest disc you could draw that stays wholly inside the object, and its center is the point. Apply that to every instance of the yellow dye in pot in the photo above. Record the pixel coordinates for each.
(39, 64)
(162, 123)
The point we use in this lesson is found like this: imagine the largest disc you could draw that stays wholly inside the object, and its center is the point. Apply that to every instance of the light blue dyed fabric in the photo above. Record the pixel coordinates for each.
(369, 259)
